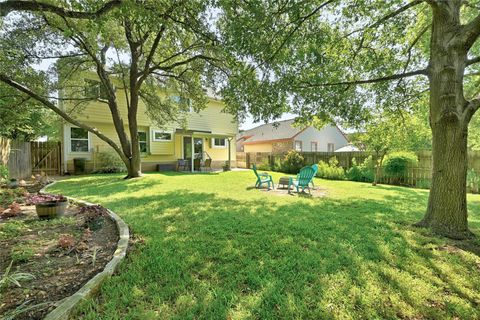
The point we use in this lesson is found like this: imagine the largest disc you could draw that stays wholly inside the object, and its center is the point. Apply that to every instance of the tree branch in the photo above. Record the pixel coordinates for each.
(473, 61)
(375, 80)
(20, 87)
(471, 32)
(34, 6)
(388, 16)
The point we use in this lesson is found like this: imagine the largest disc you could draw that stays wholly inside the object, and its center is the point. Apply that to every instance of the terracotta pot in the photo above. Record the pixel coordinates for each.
(51, 209)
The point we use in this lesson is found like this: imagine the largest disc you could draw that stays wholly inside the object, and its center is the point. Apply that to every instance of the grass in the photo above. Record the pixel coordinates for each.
(209, 246)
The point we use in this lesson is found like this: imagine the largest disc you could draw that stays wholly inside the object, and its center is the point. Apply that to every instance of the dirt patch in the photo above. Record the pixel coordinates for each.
(314, 192)
(61, 254)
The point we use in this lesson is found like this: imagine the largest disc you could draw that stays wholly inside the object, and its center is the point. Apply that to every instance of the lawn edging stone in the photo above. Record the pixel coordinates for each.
(66, 305)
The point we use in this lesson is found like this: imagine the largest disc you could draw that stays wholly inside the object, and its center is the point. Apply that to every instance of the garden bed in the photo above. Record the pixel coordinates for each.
(58, 255)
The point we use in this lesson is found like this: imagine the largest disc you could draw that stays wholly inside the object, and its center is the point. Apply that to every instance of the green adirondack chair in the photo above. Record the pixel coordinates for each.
(303, 180)
(315, 169)
(262, 178)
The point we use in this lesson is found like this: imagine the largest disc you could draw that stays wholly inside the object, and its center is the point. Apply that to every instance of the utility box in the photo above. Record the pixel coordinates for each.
(79, 165)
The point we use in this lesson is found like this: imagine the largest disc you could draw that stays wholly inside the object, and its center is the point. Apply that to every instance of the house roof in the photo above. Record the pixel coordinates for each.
(277, 131)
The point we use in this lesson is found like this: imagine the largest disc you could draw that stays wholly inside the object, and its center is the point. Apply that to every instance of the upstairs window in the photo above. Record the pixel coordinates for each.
(79, 140)
(330, 147)
(142, 141)
(161, 136)
(313, 146)
(95, 90)
(219, 142)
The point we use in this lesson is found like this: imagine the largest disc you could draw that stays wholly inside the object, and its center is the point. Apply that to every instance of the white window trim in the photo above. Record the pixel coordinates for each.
(219, 147)
(89, 139)
(295, 145)
(313, 143)
(161, 140)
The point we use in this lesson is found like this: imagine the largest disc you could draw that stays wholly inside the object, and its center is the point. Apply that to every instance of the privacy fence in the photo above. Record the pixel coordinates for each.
(26, 158)
(419, 175)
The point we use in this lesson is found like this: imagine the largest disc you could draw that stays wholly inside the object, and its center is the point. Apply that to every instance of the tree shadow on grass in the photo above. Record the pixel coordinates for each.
(207, 256)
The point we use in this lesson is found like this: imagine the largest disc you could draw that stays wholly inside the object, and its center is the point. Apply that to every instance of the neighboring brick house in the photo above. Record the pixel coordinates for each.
(283, 136)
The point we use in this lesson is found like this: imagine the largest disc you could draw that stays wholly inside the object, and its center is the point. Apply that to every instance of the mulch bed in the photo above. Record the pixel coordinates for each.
(62, 254)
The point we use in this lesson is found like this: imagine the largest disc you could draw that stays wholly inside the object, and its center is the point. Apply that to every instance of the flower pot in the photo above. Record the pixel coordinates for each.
(51, 209)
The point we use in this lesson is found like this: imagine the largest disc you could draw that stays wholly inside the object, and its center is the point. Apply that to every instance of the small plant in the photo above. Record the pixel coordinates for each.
(226, 166)
(3, 172)
(293, 162)
(22, 254)
(13, 278)
(423, 183)
(8, 196)
(330, 170)
(43, 198)
(94, 216)
(66, 241)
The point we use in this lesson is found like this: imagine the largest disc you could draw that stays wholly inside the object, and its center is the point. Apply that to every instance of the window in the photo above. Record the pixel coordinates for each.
(182, 101)
(313, 146)
(79, 140)
(142, 141)
(93, 89)
(219, 142)
(330, 147)
(161, 136)
(298, 145)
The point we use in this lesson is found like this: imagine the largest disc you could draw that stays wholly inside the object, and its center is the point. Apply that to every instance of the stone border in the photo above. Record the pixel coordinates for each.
(66, 305)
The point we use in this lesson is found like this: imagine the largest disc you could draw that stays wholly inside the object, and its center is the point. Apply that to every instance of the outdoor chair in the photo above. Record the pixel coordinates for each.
(206, 165)
(303, 180)
(315, 169)
(182, 164)
(262, 178)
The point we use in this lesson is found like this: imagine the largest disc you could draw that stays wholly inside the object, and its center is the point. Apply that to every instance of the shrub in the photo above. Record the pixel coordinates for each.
(8, 196)
(3, 172)
(423, 183)
(109, 162)
(264, 166)
(473, 180)
(330, 170)
(396, 164)
(293, 162)
(364, 172)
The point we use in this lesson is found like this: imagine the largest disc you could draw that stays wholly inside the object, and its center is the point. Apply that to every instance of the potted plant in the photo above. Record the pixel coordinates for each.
(226, 166)
(49, 205)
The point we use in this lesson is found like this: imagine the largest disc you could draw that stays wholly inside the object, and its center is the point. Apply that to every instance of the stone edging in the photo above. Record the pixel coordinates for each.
(66, 305)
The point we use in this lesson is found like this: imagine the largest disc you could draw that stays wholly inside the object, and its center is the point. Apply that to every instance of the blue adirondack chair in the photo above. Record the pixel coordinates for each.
(303, 180)
(262, 178)
(315, 169)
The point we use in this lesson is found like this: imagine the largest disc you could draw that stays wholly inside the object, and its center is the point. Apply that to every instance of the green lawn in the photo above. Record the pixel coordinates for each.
(209, 246)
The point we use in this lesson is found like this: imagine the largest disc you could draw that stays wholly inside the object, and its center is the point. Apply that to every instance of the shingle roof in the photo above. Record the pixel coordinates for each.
(272, 131)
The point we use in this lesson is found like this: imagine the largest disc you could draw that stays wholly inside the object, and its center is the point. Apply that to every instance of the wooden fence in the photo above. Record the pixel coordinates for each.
(19, 165)
(46, 157)
(420, 175)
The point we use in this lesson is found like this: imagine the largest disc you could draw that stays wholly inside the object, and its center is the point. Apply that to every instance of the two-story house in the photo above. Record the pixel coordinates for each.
(283, 136)
(207, 134)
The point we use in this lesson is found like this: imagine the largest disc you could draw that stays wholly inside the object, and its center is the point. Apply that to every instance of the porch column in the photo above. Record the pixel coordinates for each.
(229, 153)
(193, 154)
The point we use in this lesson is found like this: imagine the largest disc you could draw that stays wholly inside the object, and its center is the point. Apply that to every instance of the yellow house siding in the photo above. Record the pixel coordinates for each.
(258, 147)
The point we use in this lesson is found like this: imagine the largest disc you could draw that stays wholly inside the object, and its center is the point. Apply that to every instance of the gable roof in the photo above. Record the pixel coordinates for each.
(280, 130)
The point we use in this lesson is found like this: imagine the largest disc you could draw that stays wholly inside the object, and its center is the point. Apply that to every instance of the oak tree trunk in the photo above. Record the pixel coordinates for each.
(447, 203)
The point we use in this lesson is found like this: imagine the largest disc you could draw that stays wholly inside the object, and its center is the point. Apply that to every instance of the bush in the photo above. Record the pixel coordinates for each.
(109, 162)
(264, 166)
(364, 172)
(396, 164)
(473, 180)
(423, 183)
(3, 172)
(330, 170)
(293, 162)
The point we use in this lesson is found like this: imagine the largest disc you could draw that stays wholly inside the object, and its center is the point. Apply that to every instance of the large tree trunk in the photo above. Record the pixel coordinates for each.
(134, 168)
(447, 203)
